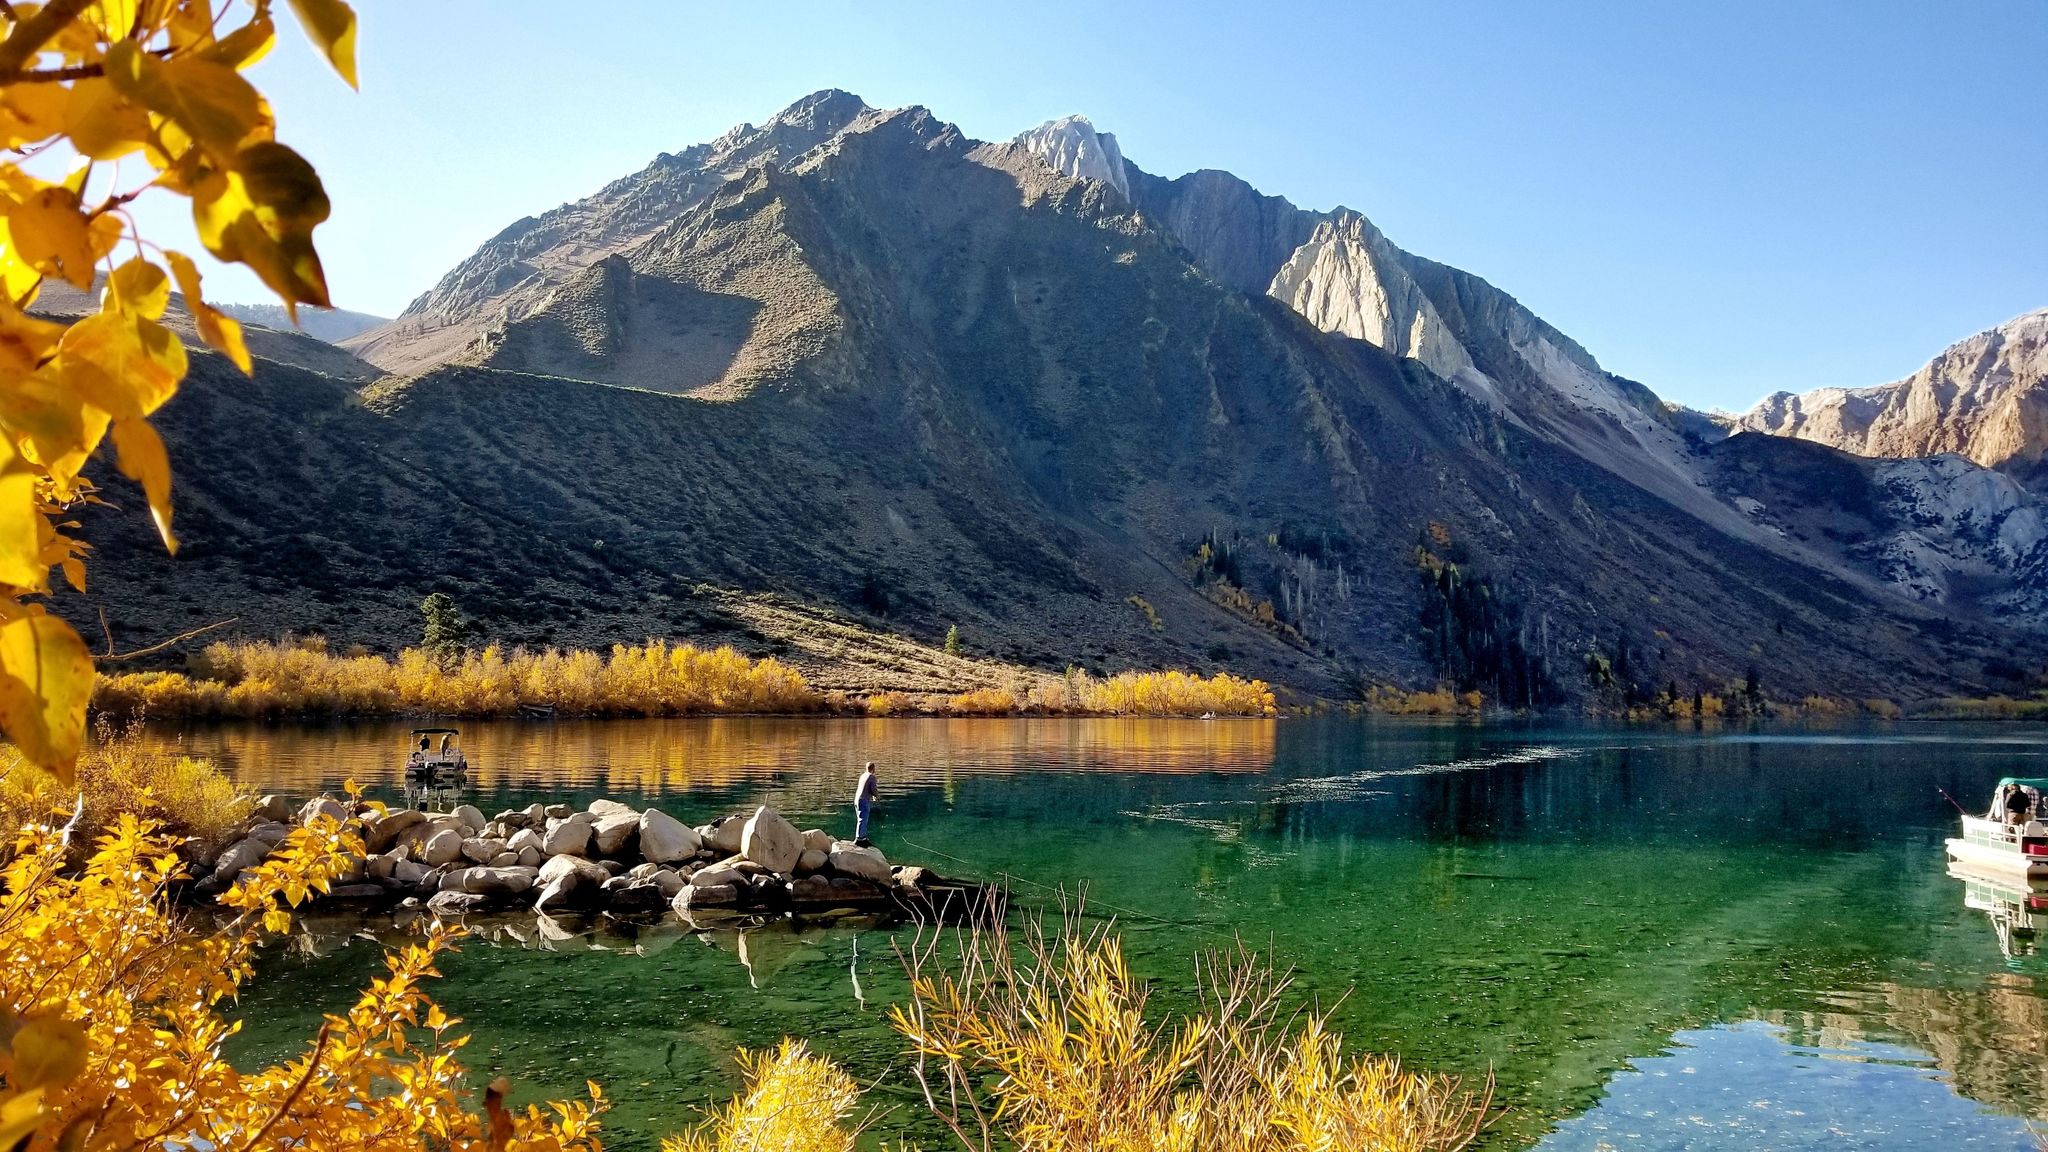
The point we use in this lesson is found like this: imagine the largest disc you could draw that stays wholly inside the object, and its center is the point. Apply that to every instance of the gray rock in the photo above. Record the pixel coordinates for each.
(812, 860)
(636, 899)
(536, 814)
(599, 809)
(643, 871)
(665, 839)
(612, 867)
(241, 855)
(710, 896)
(771, 841)
(524, 838)
(810, 890)
(272, 808)
(817, 839)
(566, 837)
(504, 860)
(574, 868)
(456, 903)
(483, 851)
(411, 873)
(356, 892)
(530, 856)
(442, 847)
(472, 818)
(381, 833)
(383, 867)
(323, 806)
(614, 831)
(499, 883)
(512, 818)
(557, 811)
(455, 880)
(270, 832)
(850, 859)
(669, 882)
(717, 876)
(723, 834)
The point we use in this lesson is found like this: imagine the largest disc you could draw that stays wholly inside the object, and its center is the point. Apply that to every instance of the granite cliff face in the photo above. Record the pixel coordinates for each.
(1984, 398)
(858, 360)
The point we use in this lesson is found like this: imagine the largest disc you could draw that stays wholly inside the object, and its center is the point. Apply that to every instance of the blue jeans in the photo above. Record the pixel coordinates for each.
(863, 808)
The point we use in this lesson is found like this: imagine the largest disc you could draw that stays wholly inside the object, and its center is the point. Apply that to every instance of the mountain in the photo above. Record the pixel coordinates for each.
(860, 363)
(330, 324)
(1985, 398)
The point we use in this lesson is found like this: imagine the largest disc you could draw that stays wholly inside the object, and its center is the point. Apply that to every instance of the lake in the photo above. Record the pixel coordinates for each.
(1652, 938)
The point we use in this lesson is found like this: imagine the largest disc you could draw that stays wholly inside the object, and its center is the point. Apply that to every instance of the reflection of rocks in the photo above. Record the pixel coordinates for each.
(1992, 1042)
(608, 858)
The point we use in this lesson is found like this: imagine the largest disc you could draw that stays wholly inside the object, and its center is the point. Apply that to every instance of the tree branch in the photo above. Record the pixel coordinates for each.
(111, 657)
(28, 37)
(312, 1063)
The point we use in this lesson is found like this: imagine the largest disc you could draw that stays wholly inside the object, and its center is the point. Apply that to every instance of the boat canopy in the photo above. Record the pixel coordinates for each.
(449, 731)
(2037, 783)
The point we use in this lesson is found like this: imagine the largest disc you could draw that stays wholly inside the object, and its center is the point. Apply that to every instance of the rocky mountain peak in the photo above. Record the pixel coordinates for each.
(1984, 397)
(1073, 148)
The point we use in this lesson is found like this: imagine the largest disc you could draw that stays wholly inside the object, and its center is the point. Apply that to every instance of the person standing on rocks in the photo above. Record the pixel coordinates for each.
(864, 803)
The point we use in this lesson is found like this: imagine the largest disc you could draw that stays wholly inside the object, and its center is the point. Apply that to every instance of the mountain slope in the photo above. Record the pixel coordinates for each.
(926, 382)
(1984, 398)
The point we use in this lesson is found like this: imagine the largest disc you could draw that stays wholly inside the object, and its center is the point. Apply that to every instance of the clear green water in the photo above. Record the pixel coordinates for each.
(1650, 938)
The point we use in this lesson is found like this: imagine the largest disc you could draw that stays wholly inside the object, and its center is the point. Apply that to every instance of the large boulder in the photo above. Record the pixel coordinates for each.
(270, 832)
(471, 816)
(625, 896)
(513, 819)
(530, 856)
(323, 806)
(669, 882)
(381, 832)
(562, 867)
(526, 838)
(771, 841)
(498, 883)
(505, 860)
(694, 898)
(482, 851)
(722, 835)
(850, 859)
(568, 882)
(665, 839)
(599, 809)
(817, 839)
(455, 903)
(613, 831)
(443, 847)
(241, 855)
(272, 808)
(566, 838)
(410, 873)
(812, 860)
(717, 875)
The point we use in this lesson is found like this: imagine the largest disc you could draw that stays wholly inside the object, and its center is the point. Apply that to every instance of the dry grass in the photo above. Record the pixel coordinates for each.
(1046, 1046)
(120, 773)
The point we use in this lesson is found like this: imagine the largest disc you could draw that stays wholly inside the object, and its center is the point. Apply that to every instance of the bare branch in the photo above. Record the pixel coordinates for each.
(110, 656)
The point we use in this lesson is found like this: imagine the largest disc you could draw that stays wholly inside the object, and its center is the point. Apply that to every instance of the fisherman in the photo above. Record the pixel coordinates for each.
(445, 738)
(864, 804)
(2016, 804)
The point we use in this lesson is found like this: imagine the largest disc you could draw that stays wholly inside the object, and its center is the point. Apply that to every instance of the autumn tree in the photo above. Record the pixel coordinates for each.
(125, 98)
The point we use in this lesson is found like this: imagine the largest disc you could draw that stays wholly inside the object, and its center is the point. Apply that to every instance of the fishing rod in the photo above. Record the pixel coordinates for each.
(1951, 799)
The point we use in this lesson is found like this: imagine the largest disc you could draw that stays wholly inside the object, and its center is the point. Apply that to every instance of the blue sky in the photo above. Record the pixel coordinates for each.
(1720, 200)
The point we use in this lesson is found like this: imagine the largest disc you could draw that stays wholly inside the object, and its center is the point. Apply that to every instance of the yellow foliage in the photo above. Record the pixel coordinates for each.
(1879, 706)
(259, 680)
(793, 1102)
(985, 702)
(887, 704)
(1438, 701)
(118, 773)
(113, 1005)
(1056, 1048)
(158, 87)
(1174, 693)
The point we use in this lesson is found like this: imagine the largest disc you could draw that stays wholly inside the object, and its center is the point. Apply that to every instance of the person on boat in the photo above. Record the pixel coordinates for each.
(445, 738)
(419, 755)
(864, 803)
(2017, 802)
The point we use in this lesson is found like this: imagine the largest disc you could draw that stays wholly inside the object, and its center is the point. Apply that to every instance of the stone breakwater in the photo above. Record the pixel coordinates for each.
(609, 857)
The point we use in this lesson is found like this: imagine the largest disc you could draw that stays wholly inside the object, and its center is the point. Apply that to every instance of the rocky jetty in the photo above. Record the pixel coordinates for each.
(609, 857)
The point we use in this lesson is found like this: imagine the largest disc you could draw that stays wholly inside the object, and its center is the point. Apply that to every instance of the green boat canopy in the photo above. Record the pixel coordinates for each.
(2037, 783)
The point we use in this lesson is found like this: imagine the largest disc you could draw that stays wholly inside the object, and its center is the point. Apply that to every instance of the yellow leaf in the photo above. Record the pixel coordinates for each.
(20, 1113)
(21, 524)
(331, 25)
(103, 124)
(144, 461)
(49, 1052)
(30, 113)
(55, 428)
(262, 213)
(140, 288)
(245, 45)
(222, 333)
(122, 363)
(51, 233)
(74, 574)
(18, 278)
(115, 19)
(45, 683)
(210, 101)
(24, 341)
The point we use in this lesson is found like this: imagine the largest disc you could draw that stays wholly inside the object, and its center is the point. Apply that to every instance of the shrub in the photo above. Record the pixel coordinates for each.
(112, 1008)
(1175, 694)
(1049, 1044)
(888, 704)
(120, 773)
(985, 702)
(793, 1102)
